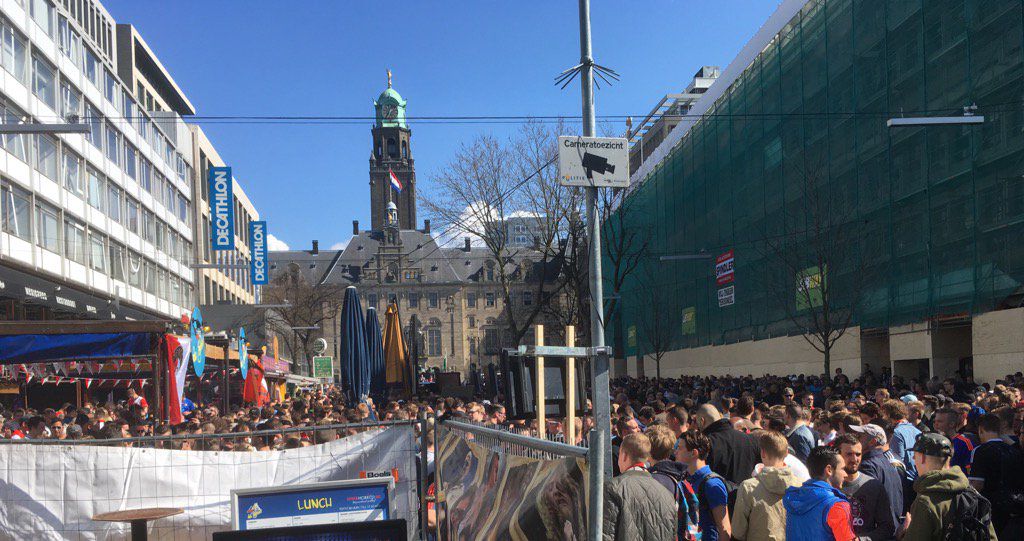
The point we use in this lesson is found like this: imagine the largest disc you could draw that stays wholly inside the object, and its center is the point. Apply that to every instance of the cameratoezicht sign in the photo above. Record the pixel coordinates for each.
(602, 162)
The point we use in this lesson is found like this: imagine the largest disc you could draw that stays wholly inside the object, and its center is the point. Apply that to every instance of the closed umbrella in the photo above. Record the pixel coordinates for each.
(375, 353)
(353, 345)
(397, 373)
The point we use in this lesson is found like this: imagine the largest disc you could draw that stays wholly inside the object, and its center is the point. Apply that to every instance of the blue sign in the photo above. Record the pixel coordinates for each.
(258, 248)
(222, 209)
(356, 500)
(243, 353)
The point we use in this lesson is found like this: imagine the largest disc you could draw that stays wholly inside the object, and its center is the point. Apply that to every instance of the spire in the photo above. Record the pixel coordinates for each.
(389, 77)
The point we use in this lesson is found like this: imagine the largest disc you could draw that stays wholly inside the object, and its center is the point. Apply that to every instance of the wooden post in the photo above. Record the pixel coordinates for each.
(538, 384)
(570, 387)
(78, 393)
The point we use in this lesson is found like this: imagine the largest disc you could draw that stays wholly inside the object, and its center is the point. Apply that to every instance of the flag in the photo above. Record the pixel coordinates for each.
(177, 364)
(395, 183)
(255, 389)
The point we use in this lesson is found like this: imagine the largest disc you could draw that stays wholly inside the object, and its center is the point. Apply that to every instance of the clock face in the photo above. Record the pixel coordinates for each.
(389, 111)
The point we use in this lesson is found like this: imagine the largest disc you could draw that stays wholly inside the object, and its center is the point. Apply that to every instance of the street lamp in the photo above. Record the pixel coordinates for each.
(450, 308)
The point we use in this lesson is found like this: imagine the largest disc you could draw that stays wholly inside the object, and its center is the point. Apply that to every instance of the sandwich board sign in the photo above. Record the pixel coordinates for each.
(350, 500)
(601, 162)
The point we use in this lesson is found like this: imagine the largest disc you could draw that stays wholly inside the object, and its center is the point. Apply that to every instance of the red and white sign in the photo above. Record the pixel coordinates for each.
(725, 268)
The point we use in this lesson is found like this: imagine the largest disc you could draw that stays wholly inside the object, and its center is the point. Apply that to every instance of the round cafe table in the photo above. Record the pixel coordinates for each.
(138, 518)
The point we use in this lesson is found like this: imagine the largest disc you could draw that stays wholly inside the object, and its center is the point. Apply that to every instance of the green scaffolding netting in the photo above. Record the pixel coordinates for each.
(929, 220)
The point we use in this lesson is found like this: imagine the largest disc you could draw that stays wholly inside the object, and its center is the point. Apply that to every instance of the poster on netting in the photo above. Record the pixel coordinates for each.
(491, 495)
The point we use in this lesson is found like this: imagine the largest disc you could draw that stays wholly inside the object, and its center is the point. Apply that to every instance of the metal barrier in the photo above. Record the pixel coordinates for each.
(506, 441)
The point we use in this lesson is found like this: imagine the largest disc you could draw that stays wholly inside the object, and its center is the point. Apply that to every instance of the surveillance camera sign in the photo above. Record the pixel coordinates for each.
(602, 162)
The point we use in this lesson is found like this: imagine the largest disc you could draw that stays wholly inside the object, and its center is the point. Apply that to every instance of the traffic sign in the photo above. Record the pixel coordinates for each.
(602, 162)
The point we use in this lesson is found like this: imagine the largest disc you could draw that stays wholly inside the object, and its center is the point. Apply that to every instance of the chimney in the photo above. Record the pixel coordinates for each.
(316, 247)
(467, 246)
(355, 227)
(426, 226)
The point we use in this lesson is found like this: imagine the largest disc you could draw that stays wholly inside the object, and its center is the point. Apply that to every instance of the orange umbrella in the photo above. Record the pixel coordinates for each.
(397, 371)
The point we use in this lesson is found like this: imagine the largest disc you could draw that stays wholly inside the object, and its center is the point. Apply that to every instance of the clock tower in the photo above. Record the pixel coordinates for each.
(392, 153)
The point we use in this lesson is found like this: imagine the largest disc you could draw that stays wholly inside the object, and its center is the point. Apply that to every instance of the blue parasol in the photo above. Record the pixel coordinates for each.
(353, 346)
(375, 353)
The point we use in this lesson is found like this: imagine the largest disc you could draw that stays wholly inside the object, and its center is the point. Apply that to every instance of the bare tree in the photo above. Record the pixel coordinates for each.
(623, 248)
(308, 309)
(490, 181)
(818, 275)
(655, 319)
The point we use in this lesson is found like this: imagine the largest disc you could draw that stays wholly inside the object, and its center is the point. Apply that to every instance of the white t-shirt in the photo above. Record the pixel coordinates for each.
(800, 471)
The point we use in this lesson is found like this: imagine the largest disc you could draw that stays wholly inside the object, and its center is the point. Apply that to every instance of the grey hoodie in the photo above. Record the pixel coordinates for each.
(759, 514)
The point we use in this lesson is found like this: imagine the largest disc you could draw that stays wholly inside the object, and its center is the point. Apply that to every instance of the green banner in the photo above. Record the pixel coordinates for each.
(323, 367)
(689, 320)
(808, 287)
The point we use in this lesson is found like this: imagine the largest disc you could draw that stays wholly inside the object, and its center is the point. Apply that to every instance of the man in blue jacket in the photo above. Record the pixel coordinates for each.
(818, 510)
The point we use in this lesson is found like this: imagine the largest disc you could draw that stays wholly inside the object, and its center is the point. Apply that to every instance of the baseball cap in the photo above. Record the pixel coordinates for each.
(932, 444)
(874, 431)
(908, 398)
(976, 411)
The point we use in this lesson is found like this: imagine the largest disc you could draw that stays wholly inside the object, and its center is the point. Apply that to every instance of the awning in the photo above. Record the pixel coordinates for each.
(38, 348)
(33, 289)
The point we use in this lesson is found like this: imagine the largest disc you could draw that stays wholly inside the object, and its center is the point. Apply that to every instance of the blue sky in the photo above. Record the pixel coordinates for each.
(480, 57)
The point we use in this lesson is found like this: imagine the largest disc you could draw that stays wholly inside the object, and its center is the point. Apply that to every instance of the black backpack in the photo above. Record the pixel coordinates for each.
(969, 518)
(730, 488)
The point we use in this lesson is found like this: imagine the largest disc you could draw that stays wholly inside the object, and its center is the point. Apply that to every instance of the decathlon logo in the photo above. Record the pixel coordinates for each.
(258, 247)
(222, 209)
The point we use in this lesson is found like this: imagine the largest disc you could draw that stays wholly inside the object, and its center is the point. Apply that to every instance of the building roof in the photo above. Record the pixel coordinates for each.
(436, 264)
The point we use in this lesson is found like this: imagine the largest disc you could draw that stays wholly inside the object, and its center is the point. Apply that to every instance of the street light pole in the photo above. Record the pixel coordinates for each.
(601, 398)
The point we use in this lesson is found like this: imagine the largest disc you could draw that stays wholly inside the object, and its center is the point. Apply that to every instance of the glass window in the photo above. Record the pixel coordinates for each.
(490, 299)
(148, 226)
(71, 100)
(114, 202)
(15, 144)
(16, 211)
(432, 300)
(47, 227)
(127, 107)
(130, 156)
(146, 174)
(97, 252)
(110, 88)
(132, 215)
(182, 208)
(44, 82)
(414, 300)
(433, 342)
(527, 298)
(113, 144)
(161, 283)
(74, 240)
(97, 189)
(15, 53)
(73, 179)
(161, 235)
(150, 276)
(118, 262)
(133, 268)
(70, 41)
(471, 300)
(95, 120)
(92, 67)
(43, 14)
(46, 156)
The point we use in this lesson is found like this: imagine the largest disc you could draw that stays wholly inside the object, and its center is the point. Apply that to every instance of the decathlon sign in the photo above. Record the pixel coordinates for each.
(222, 209)
(258, 247)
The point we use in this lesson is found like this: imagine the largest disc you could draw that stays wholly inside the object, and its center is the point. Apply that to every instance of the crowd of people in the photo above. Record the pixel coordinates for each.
(750, 458)
(817, 458)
